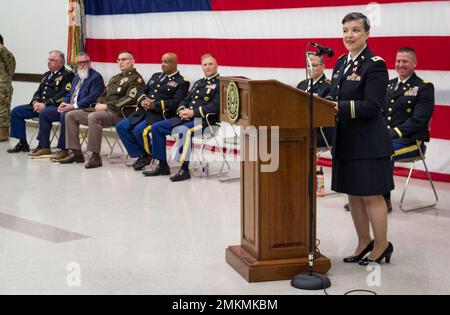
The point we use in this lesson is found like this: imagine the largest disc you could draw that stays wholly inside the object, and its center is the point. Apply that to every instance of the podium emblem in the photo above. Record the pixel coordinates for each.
(233, 102)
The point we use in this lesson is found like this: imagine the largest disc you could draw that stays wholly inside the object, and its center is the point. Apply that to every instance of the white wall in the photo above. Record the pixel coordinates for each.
(31, 28)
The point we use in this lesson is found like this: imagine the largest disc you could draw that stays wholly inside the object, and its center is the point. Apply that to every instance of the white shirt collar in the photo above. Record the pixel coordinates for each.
(171, 75)
(357, 55)
(404, 81)
(320, 78)
(210, 78)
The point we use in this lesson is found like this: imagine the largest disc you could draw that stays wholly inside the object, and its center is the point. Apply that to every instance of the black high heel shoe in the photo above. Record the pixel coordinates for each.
(355, 259)
(386, 255)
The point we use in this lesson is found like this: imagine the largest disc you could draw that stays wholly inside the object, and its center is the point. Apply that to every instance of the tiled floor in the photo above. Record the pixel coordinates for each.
(119, 232)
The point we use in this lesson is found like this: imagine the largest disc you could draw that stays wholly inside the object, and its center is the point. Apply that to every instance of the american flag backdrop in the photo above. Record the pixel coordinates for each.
(266, 39)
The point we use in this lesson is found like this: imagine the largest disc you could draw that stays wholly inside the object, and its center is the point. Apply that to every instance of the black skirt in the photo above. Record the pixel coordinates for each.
(363, 177)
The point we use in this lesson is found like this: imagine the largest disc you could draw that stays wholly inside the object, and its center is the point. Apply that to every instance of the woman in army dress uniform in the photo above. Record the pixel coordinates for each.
(362, 148)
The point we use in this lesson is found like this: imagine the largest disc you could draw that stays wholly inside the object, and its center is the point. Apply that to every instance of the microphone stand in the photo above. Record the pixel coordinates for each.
(311, 280)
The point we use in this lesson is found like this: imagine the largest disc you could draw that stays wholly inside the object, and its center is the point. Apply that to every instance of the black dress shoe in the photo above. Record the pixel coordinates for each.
(386, 255)
(159, 170)
(181, 175)
(20, 147)
(357, 258)
(142, 162)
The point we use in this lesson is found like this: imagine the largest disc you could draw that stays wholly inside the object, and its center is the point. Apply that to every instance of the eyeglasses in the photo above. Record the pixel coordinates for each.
(83, 63)
(315, 65)
(123, 59)
(53, 60)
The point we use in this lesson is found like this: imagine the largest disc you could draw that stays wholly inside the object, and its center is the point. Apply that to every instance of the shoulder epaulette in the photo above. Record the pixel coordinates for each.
(377, 58)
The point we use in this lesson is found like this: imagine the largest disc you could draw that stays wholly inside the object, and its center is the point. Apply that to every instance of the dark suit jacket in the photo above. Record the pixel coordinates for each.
(90, 89)
(53, 87)
(360, 131)
(168, 92)
(408, 110)
(321, 88)
(203, 99)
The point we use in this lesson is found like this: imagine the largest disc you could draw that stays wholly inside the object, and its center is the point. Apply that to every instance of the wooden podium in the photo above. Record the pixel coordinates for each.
(274, 206)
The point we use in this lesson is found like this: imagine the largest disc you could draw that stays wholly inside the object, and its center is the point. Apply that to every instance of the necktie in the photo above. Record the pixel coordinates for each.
(349, 64)
(74, 97)
(399, 86)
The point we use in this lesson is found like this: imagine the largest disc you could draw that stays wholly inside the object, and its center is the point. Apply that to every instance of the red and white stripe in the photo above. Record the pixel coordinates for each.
(263, 39)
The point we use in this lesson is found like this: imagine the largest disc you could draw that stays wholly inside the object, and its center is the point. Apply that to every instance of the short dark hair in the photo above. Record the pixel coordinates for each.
(357, 16)
(83, 54)
(408, 50)
(322, 58)
(1, 39)
(127, 52)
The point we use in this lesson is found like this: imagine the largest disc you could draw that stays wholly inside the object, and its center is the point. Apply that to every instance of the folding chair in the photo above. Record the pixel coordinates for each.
(420, 157)
(230, 143)
(54, 133)
(199, 154)
(322, 150)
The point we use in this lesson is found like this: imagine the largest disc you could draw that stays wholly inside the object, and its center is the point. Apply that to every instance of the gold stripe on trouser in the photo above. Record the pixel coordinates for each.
(352, 109)
(400, 135)
(187, 141)
(145, 137)
(407, 149)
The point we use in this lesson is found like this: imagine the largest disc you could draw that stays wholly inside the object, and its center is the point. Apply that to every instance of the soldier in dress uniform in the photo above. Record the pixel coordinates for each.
(408, 108)
(121, 91)
(362, 147)
(321, 87)
(158, 100)
(7, 68)
(55, 84)
(203, 99)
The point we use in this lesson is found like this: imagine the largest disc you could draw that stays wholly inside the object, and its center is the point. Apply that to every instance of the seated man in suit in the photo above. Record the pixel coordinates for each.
(321, 87)
(408, 107)
(87, 86)
(203, 99)
(158, 100)
(52, 89)
(121, 91)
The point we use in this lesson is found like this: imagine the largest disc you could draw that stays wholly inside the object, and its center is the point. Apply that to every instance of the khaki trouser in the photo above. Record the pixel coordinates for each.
(6, 91)
(95, 121)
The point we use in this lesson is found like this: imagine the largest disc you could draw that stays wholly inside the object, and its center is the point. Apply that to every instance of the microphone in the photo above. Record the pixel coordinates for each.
(323, 50)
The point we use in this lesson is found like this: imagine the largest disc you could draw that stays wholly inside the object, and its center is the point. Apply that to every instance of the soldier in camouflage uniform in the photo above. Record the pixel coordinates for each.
(122, 90)
(7, 68)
